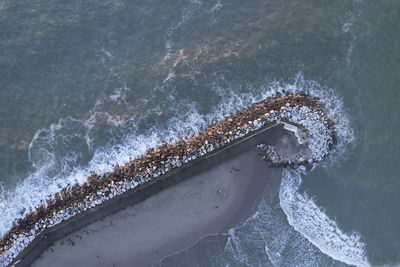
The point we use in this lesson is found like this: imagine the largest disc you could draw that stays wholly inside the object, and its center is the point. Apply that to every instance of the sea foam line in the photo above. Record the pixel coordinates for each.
(312, 222)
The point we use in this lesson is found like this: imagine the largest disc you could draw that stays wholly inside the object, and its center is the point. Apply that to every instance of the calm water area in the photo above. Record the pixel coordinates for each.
(88, 84)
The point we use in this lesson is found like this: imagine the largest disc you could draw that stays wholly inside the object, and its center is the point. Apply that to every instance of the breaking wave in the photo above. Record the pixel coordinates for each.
(312, 222)
(266, 239)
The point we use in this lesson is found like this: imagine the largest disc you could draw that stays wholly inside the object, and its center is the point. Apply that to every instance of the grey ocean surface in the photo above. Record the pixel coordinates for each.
(85, 85)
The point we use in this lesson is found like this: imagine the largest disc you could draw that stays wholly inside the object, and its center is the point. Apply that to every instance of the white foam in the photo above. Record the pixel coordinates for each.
(186, 15)
(267, 239)
(274, 256)
(313, 223)
(351, 20)
(218, 5)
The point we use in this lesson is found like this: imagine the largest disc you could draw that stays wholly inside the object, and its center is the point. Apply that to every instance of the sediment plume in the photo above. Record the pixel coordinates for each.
(301, 109)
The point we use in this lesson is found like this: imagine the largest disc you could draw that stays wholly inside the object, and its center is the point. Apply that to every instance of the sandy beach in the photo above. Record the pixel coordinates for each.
(174, 219)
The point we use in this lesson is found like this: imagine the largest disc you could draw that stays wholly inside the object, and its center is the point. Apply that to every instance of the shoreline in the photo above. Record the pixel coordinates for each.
(211, 202)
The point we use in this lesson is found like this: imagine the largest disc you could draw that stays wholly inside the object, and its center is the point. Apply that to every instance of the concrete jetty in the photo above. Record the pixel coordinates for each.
(262, 123)
(271, 134)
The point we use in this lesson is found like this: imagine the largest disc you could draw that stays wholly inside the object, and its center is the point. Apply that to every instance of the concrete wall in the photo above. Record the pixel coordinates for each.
(270, 133)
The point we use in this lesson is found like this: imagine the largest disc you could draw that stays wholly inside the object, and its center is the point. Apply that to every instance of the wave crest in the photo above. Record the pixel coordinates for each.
(312, 222)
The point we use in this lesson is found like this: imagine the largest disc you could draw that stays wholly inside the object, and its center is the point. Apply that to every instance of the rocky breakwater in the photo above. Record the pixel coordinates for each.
(301, 109)
(310, 124)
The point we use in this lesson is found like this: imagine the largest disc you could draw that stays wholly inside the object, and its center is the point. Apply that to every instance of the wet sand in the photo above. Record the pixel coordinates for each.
(174, 219)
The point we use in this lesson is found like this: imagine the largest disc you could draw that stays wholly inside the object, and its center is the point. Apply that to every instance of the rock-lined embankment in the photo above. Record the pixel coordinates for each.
(300, 109)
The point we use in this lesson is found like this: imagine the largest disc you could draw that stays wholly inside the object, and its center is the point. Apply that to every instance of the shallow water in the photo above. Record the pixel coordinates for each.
(88, 85)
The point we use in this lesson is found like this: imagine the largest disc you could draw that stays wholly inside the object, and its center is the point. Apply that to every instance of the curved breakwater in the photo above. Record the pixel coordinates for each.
(302, 109)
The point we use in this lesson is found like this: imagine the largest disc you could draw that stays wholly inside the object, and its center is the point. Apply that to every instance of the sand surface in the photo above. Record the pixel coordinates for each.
(174, 219)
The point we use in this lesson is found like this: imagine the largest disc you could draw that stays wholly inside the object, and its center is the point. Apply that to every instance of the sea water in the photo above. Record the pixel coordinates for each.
(87, 85)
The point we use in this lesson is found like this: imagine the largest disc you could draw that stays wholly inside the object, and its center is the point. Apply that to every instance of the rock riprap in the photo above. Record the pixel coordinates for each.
(301, 109)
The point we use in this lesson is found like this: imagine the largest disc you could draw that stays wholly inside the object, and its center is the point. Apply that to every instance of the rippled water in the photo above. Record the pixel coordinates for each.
(85, 85)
